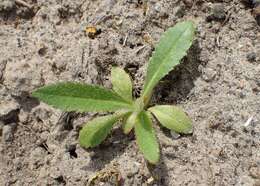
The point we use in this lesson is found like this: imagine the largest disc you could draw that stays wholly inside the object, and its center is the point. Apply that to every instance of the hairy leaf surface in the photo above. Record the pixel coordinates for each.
(122, 84)
(173, 118)
(130, 122)
(171, 48)
(95, 131)
(146, 138)
(80, 97)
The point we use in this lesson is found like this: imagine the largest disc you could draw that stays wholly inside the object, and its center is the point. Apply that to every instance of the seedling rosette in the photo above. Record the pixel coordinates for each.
(134, 112)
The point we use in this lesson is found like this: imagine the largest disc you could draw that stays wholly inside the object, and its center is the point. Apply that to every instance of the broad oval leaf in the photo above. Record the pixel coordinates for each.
(95, 131)
(171, 48)
(129, 122)
(173, 118)
(146, 138)
(80, 97)
(122, 84)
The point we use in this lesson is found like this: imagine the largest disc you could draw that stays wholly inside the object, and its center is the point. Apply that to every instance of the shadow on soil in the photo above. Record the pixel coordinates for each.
(112, 147)
(177, 85)
(159, 172)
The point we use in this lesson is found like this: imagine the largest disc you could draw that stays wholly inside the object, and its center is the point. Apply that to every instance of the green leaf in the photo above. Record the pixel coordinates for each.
(129, 122)
(170, 50)
(146, 138)
(122, 84)
(173, 118)
(95, 131)
(81, 97)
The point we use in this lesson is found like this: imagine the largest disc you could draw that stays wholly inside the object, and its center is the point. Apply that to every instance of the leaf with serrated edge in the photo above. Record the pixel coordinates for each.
(173, 118)
(130, 122)
(81, 97)
(171, 49)
(122, 84)
(96, 130)
(146, 138)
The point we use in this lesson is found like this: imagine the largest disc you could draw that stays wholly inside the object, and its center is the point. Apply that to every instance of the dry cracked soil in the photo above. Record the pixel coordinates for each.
(217, 83)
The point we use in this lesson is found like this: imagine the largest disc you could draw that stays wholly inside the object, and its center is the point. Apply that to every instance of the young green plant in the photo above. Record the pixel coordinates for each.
(135, 113)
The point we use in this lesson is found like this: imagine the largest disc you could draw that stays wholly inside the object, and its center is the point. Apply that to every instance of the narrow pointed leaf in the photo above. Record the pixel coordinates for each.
(171, 48)
(95, 131)
(122, 84)
(173, 118)
(80, 97)
(146, 138)
(129, 123)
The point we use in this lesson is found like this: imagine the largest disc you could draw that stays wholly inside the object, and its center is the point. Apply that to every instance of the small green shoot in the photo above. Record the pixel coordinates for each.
(135, 113)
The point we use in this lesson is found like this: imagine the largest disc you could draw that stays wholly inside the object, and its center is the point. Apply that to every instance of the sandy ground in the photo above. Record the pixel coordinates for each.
(218, 84)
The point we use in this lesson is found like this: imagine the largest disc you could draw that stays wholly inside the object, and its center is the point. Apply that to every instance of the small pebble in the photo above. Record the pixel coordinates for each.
(157, 7)
(218, 13)
(150, 180)
(208, 74)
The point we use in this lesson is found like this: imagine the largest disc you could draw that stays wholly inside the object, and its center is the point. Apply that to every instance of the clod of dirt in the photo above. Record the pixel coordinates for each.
(8, 132)
(218, 13)
(26, 77)
(9, 111)
(132, 169)
(255, 4)
(6, 5)
(208, 74)
(37, 157)
(251, 57)
(255, 172)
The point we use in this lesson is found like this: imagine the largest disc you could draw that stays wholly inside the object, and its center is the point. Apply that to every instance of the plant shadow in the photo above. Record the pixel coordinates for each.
(177, 85)
(159, 172)
(114, 146)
